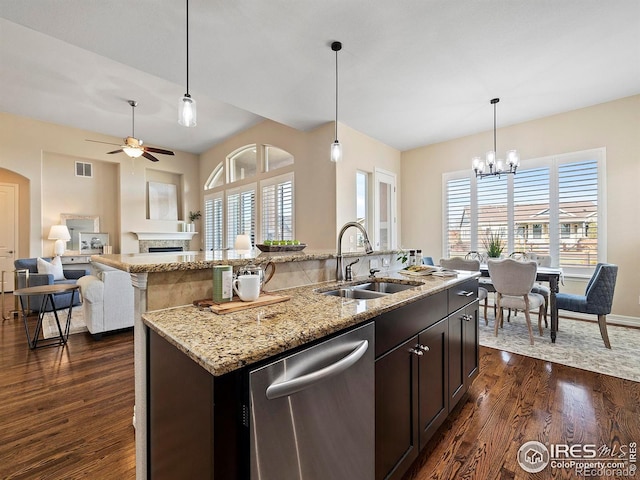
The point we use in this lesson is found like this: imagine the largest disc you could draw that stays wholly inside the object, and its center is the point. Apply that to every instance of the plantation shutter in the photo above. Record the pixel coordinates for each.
(458, 217)
(277, 208)
(577, 227)
(531, 211)
(492, 211)
(241, 215)
(213, 220)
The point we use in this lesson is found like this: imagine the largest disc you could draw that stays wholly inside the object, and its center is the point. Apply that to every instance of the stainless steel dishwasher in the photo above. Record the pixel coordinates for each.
(313, 413)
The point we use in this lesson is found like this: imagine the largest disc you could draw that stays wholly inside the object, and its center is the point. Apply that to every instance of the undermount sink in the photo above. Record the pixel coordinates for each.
(370, 289)
(384, 287)
(355, 293)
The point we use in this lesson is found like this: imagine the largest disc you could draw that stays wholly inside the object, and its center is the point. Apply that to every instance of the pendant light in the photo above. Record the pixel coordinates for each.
(496, 167)
(187, 107)
(336, 148)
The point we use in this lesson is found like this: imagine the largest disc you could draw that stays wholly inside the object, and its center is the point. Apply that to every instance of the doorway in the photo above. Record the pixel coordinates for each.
(8, 232)
(385, 224)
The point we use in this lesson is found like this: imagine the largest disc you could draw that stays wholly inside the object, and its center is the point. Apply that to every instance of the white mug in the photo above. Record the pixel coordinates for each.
(247, 287)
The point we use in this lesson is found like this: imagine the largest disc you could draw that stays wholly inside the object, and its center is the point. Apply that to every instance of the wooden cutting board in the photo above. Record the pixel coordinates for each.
(237, 304)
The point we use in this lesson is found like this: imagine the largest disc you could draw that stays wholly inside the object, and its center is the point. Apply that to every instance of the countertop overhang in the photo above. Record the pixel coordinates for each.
(224, 343)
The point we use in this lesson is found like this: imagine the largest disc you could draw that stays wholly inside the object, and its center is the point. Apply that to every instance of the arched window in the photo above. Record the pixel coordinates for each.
(216, 179)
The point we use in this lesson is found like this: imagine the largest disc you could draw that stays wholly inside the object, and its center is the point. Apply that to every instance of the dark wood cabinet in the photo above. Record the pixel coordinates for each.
(397, 438)
(421, 380)
(463, 351)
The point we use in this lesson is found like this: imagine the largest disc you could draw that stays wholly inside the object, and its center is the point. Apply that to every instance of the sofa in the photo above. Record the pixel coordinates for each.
(107, 300)
(28, 276)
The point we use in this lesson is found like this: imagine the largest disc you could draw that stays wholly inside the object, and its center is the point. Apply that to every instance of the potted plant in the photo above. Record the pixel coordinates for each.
(492, 242)
(193, 216)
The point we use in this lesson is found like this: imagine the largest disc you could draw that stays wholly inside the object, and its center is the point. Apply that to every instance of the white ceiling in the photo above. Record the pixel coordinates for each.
(411, 72)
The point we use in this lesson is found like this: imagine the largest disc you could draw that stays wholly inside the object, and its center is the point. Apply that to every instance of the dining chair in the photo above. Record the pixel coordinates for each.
(597, 299)
(542, 261)
(513, 281)
(459, 263)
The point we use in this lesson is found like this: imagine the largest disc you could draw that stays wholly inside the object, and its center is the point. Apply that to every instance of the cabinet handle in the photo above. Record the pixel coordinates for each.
(467, 318)
(464, 293)
(416, 352)
(424, 348)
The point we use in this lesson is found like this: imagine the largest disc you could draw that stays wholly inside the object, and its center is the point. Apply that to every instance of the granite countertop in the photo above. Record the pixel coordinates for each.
(224, 343)
(173, 261)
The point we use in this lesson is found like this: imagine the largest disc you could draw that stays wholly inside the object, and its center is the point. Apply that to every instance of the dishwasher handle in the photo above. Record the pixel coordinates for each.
(289, 387)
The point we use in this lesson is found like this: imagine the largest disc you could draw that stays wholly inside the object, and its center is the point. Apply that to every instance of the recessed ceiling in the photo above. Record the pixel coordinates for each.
(412, 72)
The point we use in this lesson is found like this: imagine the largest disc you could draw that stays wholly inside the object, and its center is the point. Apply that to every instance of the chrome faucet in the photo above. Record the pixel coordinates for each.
(367, 247)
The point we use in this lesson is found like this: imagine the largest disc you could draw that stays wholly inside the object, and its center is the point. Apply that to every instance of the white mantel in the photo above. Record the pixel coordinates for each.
(165, 235)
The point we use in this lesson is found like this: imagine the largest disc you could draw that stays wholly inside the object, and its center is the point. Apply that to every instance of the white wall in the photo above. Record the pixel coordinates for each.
(27, 146)
(614, 125)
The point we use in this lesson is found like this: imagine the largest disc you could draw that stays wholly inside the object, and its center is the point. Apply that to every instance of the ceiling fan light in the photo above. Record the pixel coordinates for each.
(187, 116)
(336, 151)
(132, 152)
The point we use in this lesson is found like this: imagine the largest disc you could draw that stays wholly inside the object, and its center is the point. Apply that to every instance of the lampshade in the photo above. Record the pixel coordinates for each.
(133, 152)
(242, 243)
(59, 233)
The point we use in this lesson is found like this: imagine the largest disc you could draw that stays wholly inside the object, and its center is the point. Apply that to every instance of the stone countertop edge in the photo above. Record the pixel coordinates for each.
(175, 261)
(224, 343)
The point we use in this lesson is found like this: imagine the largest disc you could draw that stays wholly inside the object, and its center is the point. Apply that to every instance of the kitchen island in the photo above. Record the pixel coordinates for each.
(223, 347)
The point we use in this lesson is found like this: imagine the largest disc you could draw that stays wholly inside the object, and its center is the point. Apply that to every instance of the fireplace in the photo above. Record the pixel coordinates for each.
(165, 249)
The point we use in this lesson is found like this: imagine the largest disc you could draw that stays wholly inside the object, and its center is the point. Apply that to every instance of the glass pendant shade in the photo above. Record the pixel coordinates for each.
(336, 151)
(187, 116)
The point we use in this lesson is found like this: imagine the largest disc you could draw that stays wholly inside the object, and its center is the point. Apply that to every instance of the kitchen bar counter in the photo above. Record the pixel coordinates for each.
(224, 343)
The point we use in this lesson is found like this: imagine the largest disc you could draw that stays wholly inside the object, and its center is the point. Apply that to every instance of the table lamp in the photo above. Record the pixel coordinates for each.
(59, 233)
(242, 245)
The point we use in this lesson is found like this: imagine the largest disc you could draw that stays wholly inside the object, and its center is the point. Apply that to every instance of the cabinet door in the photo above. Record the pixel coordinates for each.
(433, 398)
(471, 349)
(463, 351)
(397, 434)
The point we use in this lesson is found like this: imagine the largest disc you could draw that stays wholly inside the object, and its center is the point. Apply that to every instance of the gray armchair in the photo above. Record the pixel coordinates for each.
(597, 299)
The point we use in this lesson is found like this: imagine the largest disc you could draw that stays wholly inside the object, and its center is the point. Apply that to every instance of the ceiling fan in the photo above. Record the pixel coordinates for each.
(132, 146)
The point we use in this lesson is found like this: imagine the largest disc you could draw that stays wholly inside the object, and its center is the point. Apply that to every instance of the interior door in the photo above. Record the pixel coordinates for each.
(384, 210)
(8, 231)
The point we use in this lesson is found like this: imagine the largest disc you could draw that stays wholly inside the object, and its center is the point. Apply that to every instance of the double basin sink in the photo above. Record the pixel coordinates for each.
(370, 289)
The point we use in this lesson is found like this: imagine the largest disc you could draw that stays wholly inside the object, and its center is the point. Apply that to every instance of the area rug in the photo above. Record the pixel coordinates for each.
(578, 344)
(50, 329)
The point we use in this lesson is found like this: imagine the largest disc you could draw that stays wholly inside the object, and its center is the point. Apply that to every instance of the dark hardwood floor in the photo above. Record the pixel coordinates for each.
(65, 412)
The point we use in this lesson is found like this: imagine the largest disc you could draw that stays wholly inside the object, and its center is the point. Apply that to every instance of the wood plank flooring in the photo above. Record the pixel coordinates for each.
(65, 413)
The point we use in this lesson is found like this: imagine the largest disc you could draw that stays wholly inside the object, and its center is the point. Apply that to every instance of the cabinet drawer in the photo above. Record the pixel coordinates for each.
(393, 328)
(463, 294)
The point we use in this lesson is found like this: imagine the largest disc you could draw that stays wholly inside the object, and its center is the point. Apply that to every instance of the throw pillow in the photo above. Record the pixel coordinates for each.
(54, 268)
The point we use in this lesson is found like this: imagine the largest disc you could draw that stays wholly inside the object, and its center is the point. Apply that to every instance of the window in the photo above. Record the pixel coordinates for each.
(362, 205)
(275, 158)
(213, 222)
(233, 211)
(277, 208)
(551, 208)
(243, 163)
(241, 214)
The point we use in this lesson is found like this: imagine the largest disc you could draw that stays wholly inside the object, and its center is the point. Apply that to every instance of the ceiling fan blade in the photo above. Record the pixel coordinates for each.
(159, 150)
(115, 151)
(98, 141)
(150, 157)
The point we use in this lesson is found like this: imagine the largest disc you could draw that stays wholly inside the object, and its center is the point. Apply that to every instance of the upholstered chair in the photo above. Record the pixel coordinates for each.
(542, 261)
(598, 297)
(459, 263)
(513, 281)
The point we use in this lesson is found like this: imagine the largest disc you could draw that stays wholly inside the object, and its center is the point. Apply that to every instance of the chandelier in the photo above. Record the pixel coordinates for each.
(495, 167)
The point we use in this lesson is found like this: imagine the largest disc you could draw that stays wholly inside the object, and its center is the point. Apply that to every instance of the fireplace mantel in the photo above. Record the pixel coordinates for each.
(165, 235)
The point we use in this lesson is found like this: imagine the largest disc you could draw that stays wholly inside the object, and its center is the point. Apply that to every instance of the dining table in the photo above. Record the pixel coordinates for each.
(551, 275)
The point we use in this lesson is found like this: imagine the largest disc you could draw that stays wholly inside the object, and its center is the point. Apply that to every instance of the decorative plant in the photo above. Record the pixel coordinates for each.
(492, 242)
(403, 256)
(193, 216)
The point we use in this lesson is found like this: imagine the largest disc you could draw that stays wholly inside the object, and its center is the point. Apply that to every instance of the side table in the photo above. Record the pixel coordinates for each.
(47, 292)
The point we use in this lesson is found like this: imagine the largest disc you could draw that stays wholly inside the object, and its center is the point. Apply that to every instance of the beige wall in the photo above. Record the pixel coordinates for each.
(325, 191)
(40, 152)
(363, 153)
(614, 125)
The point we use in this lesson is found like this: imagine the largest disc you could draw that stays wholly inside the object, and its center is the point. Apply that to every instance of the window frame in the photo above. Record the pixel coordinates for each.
(553, 162)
